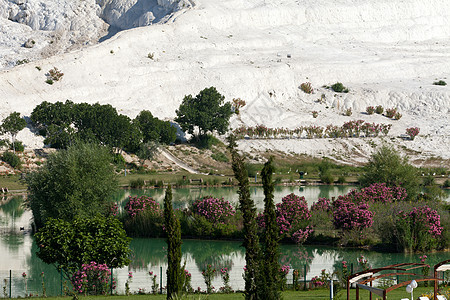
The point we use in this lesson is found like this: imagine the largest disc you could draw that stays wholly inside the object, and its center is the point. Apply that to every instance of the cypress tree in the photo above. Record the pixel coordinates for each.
(270, 277)
(251, 240)
(175, 274)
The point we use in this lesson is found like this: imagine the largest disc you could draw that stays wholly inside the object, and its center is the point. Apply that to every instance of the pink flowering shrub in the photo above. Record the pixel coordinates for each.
(137, 205)
(348, 215)
(412, 132)
(292, 218)
(92, 279)
(284, 271)
(419, 229)
(390, 112)
(213, 217)
(322, 280)
(322, 204)
(213, 209)
(145, 217)
(376, 192)
(370, 110)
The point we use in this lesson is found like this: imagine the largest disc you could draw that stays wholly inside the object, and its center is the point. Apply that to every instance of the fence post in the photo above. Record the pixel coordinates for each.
(61, 279)
(112, 280)
(351, 268)
(397, 277)
(10, 283)
(160, 280)
(331, 289)
(304, 278)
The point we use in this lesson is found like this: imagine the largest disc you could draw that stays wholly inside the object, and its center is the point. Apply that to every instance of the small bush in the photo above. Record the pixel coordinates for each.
(137, 183)
(338, 87)
(12, 159)
(341, 179)
(370, 110)
(17, 145)
(55, 74)
(398, 116)
(327, 178)
(49, 81)
(315, 114)
(379, 109)
(238, 103)
(440, 82)
(412, 132)
(348, 112)
(22, 61)
(390, 112)
(151, 55)
(306, 87)
(447, 183)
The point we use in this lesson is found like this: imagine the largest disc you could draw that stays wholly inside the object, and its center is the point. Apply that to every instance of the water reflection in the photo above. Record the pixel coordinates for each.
(183, 197)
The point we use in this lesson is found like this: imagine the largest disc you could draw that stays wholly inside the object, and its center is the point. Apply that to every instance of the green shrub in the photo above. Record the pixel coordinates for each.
(428, 180)
(440, 82)
(327, 178)
(447, 183)
(219, 156)
(338, 87)
(17, 145)
(12, 159)
(379, 109)
(348, 112)
(137, 183)
(341, 179)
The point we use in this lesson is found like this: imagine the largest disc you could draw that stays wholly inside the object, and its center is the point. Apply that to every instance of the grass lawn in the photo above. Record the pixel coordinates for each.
(12, 182)
(312, 294)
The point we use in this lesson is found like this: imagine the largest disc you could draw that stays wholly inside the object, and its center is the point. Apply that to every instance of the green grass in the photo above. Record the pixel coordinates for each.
(12, 182)
(312, 294)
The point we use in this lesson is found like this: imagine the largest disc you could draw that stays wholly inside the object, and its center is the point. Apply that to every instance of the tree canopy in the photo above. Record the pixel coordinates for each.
(387, 166)
(12, 124)
(154, 129)
(75, 182)
(69, 244)
(205, 112)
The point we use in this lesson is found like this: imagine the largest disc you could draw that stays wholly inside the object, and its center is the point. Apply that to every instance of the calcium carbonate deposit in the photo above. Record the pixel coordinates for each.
(149, 54)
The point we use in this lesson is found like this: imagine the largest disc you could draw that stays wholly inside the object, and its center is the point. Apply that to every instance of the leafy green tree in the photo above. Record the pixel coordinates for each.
(386, 165)
(269, 281)
(12, 124)
(154, 129)
(206, 112)
(69, 244)
(58, 113)
(248, 209)
(75, 182)
(175, 273)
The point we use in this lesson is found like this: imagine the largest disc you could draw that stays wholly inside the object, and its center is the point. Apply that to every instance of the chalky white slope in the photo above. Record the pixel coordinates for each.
(387, 52)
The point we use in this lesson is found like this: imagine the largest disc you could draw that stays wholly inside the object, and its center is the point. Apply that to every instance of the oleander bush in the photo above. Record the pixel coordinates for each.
(307, 88)
(144, 217)
(390, 112)
(412, 132)
(370, 110)
(379, 109)
(354, 128)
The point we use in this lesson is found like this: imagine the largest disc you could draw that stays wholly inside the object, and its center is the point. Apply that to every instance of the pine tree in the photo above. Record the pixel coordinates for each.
(175, 273)
(268, 284)
(251, 240)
